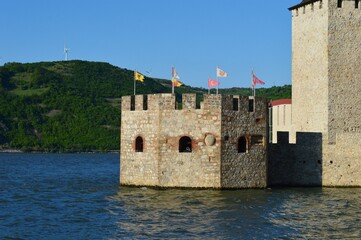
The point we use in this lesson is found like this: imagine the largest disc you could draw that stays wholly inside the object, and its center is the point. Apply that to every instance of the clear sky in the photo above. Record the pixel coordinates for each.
(152, 35)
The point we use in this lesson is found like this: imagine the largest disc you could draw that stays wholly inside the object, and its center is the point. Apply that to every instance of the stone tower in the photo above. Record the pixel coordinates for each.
(326, 84)
(221, 144)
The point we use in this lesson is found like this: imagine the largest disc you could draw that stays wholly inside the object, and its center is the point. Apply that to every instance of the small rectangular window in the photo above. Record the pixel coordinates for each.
(235, 104)
(251, 105)
(257, 140)
(339, 3)
(132, 103)
(145, 102)
(357, 3)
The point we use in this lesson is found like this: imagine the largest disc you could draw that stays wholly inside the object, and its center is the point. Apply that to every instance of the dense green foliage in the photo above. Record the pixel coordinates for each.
(73, 106)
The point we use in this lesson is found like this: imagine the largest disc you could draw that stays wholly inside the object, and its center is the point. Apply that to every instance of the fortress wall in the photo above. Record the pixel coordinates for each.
(296, 164)
(247, 169)
(201, 167)
(139, 168)
(344, 70)
(342, 155)
(310, 68)
(342, 161)
(327, 39)
(207, 166)
(189, 101)
(162, 126)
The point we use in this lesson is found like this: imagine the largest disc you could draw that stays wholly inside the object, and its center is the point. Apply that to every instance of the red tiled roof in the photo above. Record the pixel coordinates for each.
(280, 102)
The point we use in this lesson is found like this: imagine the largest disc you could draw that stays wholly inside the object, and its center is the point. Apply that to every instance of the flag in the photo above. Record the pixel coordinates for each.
(212, 83)
(175, 75)
(176, 83)
(138, 76)
(221, 73)
(256, 80)
(175, 78)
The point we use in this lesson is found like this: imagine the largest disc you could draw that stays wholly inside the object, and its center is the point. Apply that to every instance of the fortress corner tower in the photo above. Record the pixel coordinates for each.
(326, 84)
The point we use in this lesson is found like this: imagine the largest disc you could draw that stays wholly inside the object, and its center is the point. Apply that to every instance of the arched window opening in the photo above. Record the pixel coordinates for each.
(185, 144)
(242, 145)
(139, 144)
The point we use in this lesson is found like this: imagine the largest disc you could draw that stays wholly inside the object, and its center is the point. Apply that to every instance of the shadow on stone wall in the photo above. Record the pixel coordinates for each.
(297, 164)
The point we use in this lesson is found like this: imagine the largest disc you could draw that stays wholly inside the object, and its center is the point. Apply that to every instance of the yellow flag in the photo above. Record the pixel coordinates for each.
(138, 76)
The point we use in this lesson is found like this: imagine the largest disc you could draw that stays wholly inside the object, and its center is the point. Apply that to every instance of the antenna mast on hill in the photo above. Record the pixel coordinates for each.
(66, 50)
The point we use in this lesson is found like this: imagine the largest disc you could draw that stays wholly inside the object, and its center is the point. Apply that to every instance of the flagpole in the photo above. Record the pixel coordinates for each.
(253, 84)
(172, 79)
(217, 79)
(134, 81)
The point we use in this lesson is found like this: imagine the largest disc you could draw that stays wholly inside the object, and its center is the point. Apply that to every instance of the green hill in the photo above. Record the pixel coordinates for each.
(74, 106)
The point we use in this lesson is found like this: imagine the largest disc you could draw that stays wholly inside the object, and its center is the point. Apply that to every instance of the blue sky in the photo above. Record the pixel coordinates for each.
(152, 35)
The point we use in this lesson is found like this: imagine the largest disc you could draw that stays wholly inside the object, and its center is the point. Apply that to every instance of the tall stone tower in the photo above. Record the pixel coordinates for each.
(326, 84)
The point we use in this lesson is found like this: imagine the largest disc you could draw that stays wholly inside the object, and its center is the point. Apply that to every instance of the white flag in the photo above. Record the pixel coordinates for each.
(221, 73)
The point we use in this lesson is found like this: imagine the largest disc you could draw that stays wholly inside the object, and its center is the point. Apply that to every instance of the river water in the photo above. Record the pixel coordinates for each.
(77, 196)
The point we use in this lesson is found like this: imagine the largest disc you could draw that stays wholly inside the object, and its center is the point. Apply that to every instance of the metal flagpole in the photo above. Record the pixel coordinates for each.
(134, 80)
(172, 86)
(253, 85)
(217, 78)
(172, 79)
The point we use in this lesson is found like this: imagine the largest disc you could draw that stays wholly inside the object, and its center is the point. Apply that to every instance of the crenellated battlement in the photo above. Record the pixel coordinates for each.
(302, 139)
(164, 101)
(308, 6)
(219, 144)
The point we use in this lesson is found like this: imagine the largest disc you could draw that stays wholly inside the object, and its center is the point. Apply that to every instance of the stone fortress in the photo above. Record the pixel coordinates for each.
(224, 143)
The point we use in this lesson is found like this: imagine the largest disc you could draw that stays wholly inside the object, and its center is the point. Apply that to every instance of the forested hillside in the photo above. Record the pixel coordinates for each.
(74, 106)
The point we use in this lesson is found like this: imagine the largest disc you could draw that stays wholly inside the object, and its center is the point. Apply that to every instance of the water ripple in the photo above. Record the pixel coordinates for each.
(65, 196)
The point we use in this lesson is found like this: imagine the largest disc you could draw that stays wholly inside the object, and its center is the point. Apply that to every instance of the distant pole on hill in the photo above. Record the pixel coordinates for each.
(66, 51)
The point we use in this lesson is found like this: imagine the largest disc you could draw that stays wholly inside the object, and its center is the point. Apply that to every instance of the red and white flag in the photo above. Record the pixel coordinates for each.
(212, 83)
(256, 80)
(221, 73)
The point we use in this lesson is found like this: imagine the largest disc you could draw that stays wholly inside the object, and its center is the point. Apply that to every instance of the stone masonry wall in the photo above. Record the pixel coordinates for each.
(138, 168)
(310, 68)
(161, 126)
(201, 167)
(244, 169)
(343, 153)
(296, 164)
(326, 85)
